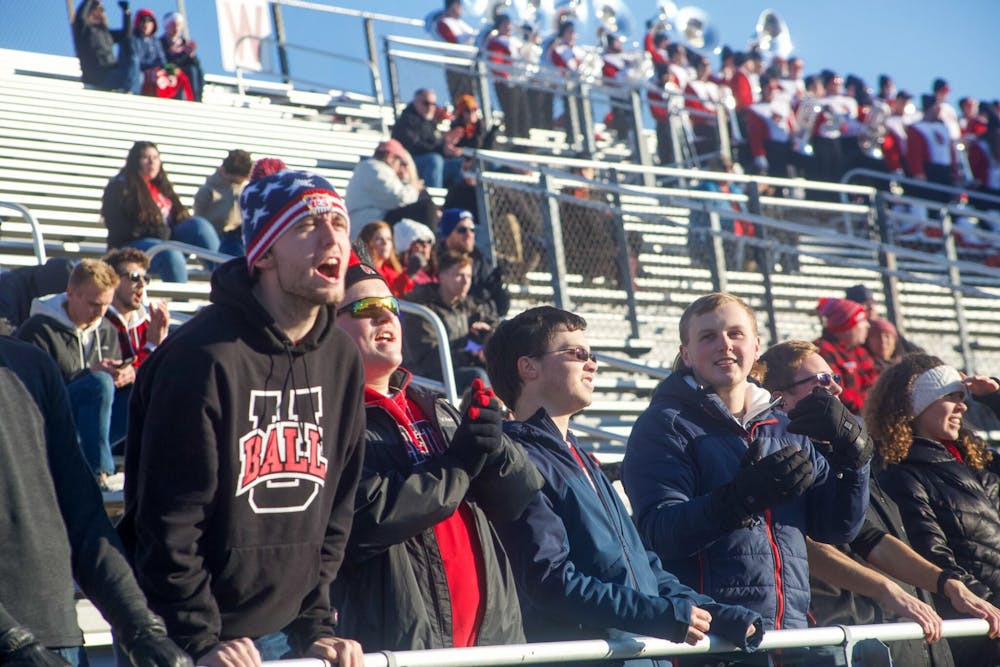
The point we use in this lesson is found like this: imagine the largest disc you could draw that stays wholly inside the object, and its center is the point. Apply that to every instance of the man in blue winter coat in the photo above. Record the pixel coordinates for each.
(580, 566)
(725, 489)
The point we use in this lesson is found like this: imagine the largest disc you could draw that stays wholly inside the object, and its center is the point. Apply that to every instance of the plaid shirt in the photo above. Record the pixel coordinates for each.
(855, 366)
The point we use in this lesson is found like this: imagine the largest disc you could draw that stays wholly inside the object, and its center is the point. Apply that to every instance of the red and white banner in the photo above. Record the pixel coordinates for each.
(239, 22)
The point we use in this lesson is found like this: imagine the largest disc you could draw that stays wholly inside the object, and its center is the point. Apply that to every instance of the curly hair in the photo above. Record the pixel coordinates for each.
(138, 202)
(887, 414)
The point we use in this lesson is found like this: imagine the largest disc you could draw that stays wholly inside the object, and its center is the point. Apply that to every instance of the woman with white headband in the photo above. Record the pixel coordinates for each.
(942, 477)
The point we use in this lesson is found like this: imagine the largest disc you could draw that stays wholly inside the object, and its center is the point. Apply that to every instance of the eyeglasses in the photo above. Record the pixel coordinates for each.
(822, 379)
(429, 103)
(465, 230)
(370, 307)
(580, 353)
(137, 277)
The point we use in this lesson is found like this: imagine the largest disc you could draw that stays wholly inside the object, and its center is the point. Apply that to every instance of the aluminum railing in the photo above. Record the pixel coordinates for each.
(845, 636)
(37, 241)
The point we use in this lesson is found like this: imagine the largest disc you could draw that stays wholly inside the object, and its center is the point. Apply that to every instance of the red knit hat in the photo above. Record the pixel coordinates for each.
(841, 314)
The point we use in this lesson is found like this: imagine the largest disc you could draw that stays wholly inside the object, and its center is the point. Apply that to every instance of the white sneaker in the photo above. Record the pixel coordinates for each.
(114, 482)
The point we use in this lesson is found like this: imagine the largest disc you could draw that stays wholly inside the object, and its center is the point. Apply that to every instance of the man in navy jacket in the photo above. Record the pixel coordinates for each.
(581, 569)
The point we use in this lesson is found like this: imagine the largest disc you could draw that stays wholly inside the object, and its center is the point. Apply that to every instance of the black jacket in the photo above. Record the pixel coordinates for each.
(122, 227)
(54, 526)
(392, 593)
(951, 515)
(835, 606)
(417, 134)
(95, 44)
(243, 457)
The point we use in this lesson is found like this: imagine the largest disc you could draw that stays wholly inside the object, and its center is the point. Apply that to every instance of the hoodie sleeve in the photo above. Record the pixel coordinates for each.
(171, 487)
(316, 617)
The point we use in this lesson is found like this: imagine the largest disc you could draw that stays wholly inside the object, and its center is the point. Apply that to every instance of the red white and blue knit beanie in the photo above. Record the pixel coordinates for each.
(272, 204)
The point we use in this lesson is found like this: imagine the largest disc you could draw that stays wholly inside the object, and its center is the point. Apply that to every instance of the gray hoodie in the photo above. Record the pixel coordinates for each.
(73, 349)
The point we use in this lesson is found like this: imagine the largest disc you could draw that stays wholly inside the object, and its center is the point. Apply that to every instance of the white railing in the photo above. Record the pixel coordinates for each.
(648, 647)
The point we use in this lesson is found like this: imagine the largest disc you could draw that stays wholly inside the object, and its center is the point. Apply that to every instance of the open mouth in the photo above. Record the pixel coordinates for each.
(385, 337)
(329, 269)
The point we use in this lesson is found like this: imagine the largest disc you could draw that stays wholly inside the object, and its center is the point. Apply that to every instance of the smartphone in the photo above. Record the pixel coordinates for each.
(125, 363)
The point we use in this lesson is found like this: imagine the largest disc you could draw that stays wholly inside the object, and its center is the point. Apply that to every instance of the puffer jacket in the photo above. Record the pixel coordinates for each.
(686, 445)
(950, 513)
(392, 593)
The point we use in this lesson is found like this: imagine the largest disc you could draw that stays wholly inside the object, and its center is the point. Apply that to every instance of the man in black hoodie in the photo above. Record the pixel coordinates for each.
(95, 48)
(55, 531)
(246, 439)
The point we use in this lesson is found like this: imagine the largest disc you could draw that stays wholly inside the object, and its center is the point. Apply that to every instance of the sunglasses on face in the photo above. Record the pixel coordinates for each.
(580, 353)
(370, 307)
(822, 379)
(137, 277)
(465, 230)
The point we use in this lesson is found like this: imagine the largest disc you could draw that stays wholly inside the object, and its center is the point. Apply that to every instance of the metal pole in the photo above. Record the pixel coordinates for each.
(485, 100)
(552, 228)
(887, 262)
(393, 79)
(279, 33)
(70, 11)
(725, 140)
(369, 26)
(484, 225)
(182, 10)
(955, 278)
(641, 146)
(587, 122)
(572, 118)
(720, 280)
(753, 204)
(624, 268)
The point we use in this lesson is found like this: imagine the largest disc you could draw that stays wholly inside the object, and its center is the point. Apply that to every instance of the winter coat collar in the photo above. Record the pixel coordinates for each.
(681, 386)
(925, 450)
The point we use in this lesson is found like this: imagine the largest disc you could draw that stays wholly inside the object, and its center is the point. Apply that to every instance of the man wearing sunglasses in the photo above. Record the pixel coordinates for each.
(245, 443)
(457, 231)
(424, 568)
(141, 328)
(847, 584)
(582, 570)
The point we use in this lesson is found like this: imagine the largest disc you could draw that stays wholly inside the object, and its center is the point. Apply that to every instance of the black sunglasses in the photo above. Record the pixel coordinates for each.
(137, 277)
(462, 229)
(370, 306)
(823, 379)
(580, 353)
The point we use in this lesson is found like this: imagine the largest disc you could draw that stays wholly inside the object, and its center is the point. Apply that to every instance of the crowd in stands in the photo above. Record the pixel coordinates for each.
(291, 488)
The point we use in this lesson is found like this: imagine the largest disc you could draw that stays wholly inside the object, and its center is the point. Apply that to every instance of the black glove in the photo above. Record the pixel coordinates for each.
(123, 4)
(147, 645)
(414, 264)
(479, 435)
(18, 647)
(824, 419)
(759, 484)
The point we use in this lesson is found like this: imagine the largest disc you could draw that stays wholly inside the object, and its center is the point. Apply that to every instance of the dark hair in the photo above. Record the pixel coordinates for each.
(137, 201)
(568, 25)
(826, 76)
(119, 258)
(238, 163)
(672, 49)
(526, 335)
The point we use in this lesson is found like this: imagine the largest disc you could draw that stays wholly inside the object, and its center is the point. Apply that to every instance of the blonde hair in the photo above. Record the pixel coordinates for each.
(708, 303)
(94, 271)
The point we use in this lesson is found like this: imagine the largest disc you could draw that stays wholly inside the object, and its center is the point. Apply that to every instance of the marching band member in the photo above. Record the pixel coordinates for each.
(894, 140)
(770, 124)
(501, 47)
(703, 95)
(449, 27)
(930, 153)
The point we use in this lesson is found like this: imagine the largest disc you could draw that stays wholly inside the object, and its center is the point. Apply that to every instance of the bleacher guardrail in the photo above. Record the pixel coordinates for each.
(848, 637)
(865, 234)
(37, 241)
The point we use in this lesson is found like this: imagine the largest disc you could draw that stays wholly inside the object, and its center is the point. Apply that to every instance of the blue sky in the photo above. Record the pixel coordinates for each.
(914, 40)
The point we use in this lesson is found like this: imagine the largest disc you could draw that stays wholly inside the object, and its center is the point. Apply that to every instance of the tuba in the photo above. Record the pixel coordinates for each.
(694, 29)
(805, 122)
(771, 36)
(613, 17)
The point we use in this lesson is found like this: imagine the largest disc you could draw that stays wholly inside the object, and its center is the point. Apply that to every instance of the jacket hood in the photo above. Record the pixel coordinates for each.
(54, 307)
(129, 323)
(232, 289)
(140, 15)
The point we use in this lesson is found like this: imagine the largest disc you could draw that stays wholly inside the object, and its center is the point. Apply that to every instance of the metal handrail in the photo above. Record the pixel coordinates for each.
(36, 230)
(636, 646)
(241, 87)
(447, 387)
(917, 183)
(358, 13)
(188, 249)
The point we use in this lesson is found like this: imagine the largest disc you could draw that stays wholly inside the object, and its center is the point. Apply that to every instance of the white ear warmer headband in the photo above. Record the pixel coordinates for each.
(933, 384)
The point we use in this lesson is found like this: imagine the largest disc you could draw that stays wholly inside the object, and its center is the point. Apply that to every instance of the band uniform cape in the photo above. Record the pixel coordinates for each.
(392, 593)
(243, 457)
(685, 445)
